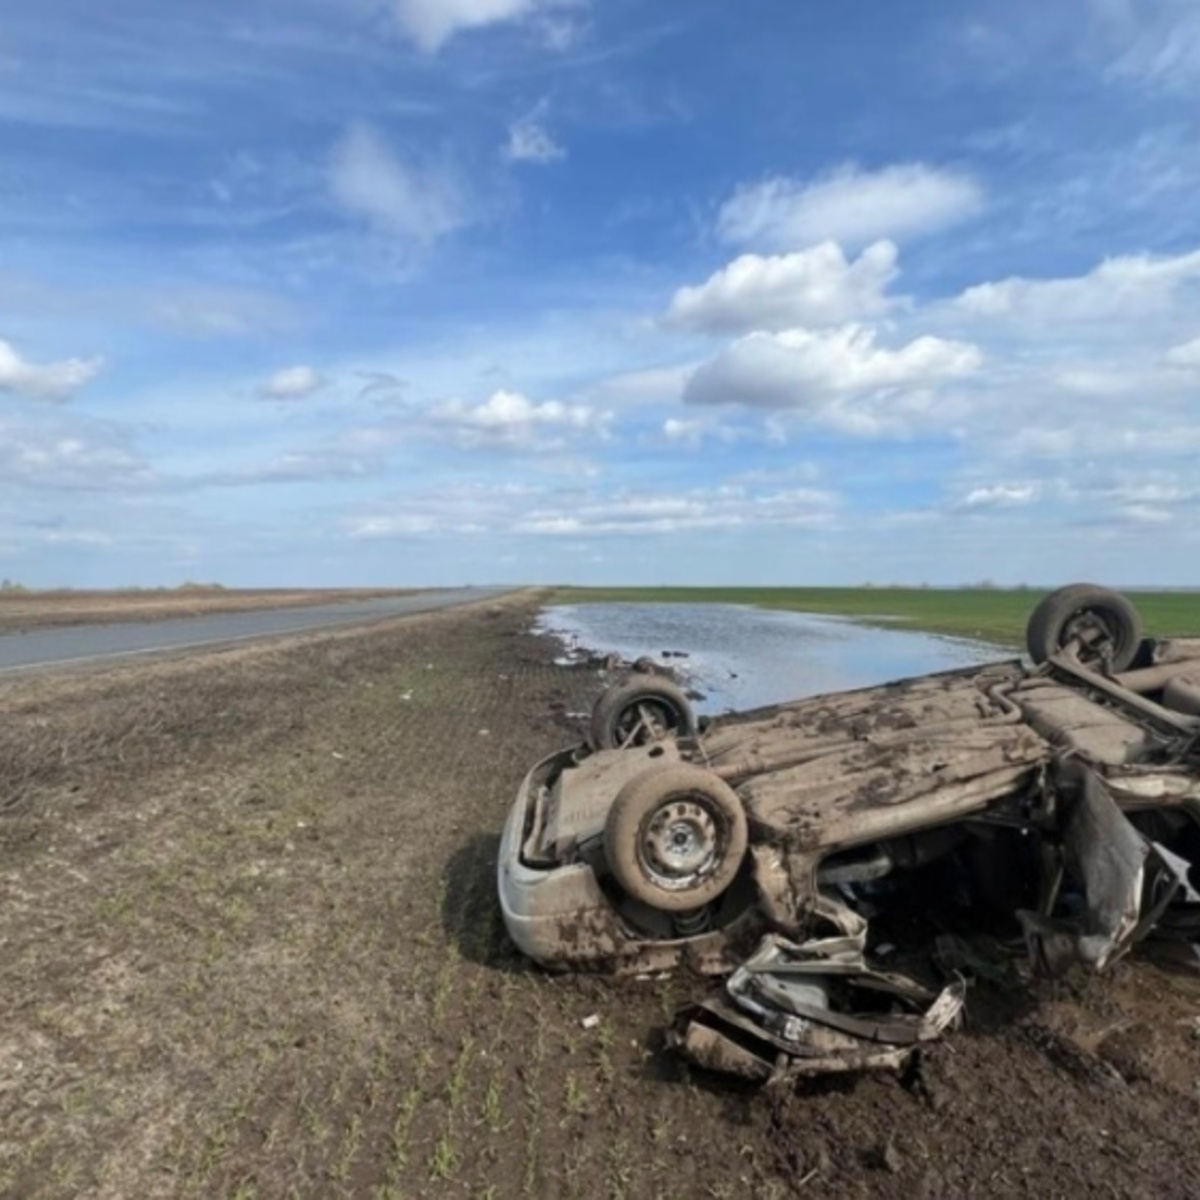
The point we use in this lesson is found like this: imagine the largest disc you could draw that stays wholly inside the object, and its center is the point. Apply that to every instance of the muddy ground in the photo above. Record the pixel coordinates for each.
(249, 946)
(21, 610)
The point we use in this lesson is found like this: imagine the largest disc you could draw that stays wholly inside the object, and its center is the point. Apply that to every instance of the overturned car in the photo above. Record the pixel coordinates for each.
(1055, 803)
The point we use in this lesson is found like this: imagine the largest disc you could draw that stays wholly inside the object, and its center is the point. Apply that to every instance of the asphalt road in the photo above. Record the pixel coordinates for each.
(82, 644)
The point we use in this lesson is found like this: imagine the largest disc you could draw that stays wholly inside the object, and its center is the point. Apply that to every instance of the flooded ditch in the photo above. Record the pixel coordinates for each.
(739, 656)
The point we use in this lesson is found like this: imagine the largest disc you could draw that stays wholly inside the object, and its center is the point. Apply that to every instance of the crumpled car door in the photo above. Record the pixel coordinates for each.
(1126, 882)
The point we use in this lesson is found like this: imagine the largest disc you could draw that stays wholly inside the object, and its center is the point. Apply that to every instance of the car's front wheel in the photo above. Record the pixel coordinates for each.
(675, 837)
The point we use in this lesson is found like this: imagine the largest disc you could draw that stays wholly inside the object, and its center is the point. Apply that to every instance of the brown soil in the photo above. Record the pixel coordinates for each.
(249, 946)
(36, 610)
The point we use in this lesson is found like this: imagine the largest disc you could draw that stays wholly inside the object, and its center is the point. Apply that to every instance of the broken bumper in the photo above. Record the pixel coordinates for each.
(548, 909)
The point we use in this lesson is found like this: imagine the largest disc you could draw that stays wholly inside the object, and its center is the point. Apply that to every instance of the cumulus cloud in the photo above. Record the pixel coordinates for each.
(813, 371)
(513, 421)
(55, 381)
(530, 142)
(817, 286)
(431, 23)
(291, 383)
(1129, 286)
(849, 205)
(371, 182)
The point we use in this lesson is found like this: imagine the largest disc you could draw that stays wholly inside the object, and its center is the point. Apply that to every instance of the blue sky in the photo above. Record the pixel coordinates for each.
(445, 291)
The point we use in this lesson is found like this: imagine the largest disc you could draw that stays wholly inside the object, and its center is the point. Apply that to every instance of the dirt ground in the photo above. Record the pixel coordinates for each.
(21, 610)
(250, 946)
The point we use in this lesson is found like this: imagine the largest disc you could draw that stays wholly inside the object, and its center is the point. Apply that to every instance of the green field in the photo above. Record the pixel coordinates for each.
(993, 614)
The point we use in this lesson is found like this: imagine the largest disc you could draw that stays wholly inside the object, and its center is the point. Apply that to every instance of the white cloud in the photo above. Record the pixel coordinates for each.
(817, 286)
(511, 420)
(849, 205)
(292, 383)
(639, 389)
(1186, 356)
(700, 509)
(465, 509)
(400, 525)
(54, 381)
(1119, 288)
(208, 312)
(431, 23)
(53, 453)
(693, 432)
(689, 432)
(817, 372)
(1001, 495)
(529, 141)
(420, 203)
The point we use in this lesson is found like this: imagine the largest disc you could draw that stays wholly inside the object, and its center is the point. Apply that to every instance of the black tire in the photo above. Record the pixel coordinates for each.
(1105, 622)
(642, 709)
(675, 837)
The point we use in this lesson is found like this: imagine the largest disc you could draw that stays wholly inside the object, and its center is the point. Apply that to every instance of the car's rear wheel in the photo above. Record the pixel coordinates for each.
(675, 837)
(641, 710)
(1100, 625)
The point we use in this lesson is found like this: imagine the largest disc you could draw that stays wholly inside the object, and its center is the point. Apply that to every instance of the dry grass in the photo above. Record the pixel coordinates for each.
(20, 610)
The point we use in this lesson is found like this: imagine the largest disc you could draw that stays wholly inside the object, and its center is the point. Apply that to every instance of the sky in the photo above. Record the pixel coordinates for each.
(789, 292)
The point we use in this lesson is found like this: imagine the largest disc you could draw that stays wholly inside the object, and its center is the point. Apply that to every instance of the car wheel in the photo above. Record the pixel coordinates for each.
(675, 837)
(643, 709)
(1103, 625)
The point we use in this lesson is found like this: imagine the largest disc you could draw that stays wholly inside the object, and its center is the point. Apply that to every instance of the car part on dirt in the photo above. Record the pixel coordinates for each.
(1100, 626)
(641, 709)
(813, 1008)
(675, 837)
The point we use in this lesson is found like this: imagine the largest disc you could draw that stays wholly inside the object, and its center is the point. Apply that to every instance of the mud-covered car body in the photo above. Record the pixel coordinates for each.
(1067, 795)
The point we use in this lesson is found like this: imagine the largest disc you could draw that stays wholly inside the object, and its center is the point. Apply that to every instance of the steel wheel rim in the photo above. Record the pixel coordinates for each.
(681, 843)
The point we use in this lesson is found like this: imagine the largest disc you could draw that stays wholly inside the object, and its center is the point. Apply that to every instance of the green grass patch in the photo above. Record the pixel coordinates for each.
(993, 614)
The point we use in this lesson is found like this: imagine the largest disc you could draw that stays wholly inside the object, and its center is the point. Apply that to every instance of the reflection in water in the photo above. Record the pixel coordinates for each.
(742, 657)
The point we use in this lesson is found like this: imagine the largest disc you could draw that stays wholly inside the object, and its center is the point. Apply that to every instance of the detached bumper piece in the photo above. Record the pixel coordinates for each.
(796, 1010)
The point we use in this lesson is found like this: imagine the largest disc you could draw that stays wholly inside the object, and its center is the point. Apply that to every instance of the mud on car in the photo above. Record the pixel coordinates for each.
(846, 861)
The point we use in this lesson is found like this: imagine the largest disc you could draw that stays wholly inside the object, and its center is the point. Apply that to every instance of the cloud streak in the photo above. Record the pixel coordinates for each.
(432, 23)
(849, 205)
(371, 182)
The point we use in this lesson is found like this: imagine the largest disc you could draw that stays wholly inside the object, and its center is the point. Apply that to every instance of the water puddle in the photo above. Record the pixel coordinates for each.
(742, 657)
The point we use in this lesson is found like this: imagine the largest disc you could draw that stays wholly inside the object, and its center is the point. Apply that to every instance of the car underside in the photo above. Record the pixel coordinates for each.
(1053, 807)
